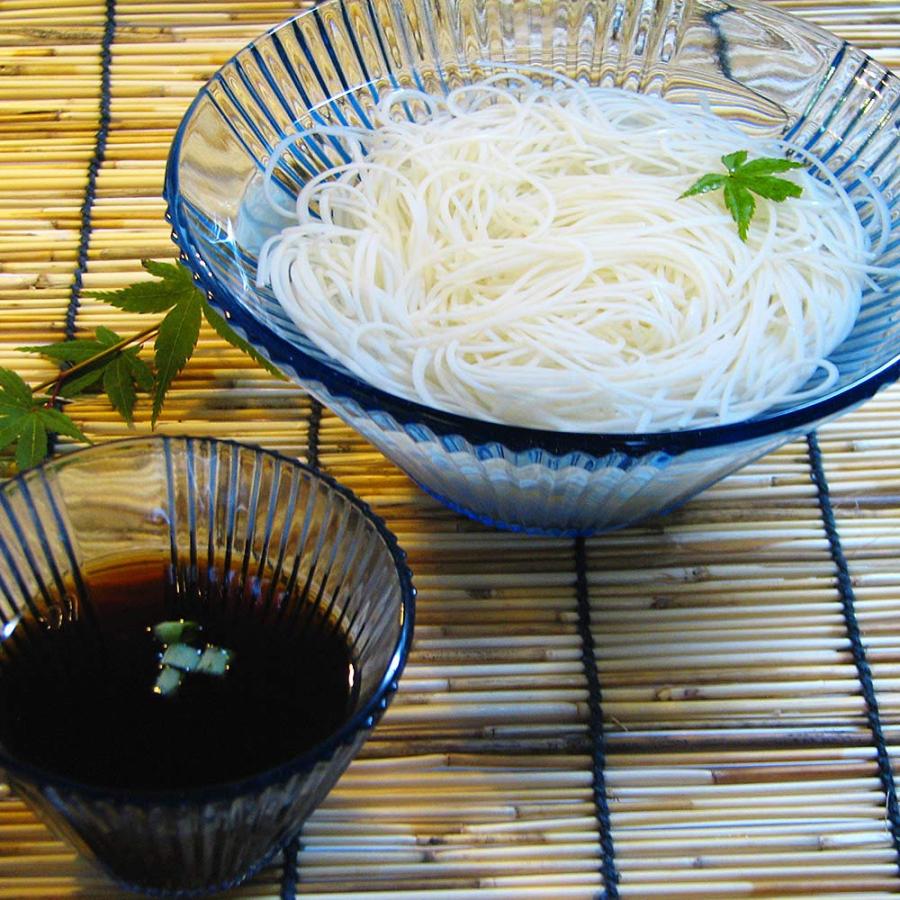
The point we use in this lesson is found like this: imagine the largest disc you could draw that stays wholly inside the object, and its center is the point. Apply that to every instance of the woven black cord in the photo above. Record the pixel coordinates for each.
(290, 874)
(598, 739)
(312, 440)
(90, 192)
(863, 670)
(87, 207)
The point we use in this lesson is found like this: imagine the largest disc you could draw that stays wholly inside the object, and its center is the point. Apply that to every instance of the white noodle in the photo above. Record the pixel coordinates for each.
(519, 254)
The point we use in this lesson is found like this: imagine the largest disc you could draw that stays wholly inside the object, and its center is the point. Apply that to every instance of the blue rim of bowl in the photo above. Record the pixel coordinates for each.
(363, 720)
(283, 354)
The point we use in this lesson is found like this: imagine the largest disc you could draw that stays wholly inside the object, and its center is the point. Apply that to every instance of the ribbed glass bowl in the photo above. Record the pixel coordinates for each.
(771, 74)
(197, 502)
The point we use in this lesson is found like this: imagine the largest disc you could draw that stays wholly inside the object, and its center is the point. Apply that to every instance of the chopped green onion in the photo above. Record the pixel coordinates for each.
(181, 656)
(176, 631)
(168, 681)
(214, 661)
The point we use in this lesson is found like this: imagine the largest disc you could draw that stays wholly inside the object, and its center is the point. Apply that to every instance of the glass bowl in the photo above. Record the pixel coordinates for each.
(195, 502)
(770, 73)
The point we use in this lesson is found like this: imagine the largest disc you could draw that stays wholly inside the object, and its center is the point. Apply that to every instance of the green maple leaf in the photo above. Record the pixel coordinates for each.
(118, 382)
(16, 404)
(31, 446)
(107, 337)
(60, 423)
(81, 350)
(744, 179)
(710, 182)
(777, 189)
(741, 205)
(175, 342)
(106, 362)
(152, 296)
(140, 371)
(26, 422)
(177, 294)
(67, 351)
(87, 382)
(10, 426)
(733, 161)
(167, 271)
(179, 283)
(115, 373)
(768, 165)
(14, 392)
(224, 330)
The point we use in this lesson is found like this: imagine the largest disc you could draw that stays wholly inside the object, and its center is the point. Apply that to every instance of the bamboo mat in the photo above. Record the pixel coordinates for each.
(741, 732)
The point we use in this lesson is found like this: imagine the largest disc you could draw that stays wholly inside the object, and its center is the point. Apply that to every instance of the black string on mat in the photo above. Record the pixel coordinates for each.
(863, 670)
(90, 192)
(312, 440)
(598, 738)
(290, 873)
(97, 159)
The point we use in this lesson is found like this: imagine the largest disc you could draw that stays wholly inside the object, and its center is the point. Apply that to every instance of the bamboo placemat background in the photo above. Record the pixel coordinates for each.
(740, 754)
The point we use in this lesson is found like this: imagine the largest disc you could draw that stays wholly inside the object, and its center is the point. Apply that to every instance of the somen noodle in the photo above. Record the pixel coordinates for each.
(518, 253)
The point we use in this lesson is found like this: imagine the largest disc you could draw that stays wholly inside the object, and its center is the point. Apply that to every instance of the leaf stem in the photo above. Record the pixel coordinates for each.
(87, 363)
(57, 386)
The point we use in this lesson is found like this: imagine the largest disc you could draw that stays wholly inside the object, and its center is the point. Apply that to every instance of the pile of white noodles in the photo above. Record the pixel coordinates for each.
(519, 254)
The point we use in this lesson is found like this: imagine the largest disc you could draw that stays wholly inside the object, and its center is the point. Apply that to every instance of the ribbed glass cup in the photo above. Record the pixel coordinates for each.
(198, 502)
(771, 74)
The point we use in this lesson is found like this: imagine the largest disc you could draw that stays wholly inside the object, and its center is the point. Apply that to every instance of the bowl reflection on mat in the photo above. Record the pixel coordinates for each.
(195, 502)
(768, 72)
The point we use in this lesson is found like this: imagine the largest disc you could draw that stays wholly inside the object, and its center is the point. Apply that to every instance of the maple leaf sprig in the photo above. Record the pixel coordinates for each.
(744, 179)
(109, 363)
(26, 419)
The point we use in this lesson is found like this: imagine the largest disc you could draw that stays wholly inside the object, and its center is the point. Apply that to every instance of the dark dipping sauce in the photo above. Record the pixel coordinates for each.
(78, 699)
